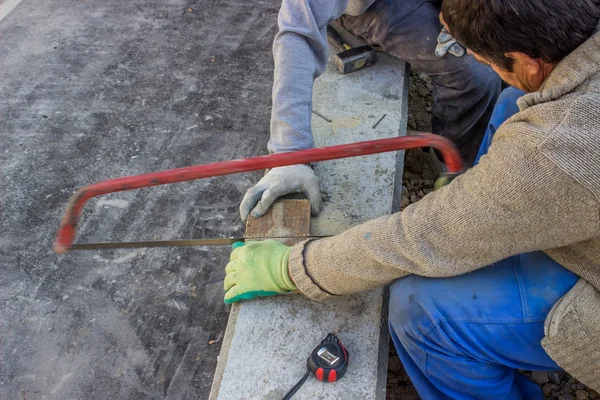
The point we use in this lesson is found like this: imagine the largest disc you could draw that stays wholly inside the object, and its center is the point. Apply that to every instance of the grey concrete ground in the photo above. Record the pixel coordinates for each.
(92, 90)
(6, 6)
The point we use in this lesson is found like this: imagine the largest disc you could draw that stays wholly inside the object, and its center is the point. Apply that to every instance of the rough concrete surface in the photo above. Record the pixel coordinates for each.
(273, 337)
(93, 90)
(267, 359)
(359, 188)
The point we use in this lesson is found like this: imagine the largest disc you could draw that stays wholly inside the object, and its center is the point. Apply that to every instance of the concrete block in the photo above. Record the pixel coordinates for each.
(358, 189)
(268, 340)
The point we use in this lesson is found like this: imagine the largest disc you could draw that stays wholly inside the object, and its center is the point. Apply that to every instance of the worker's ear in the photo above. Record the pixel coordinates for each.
(527, 63)
(529, 72)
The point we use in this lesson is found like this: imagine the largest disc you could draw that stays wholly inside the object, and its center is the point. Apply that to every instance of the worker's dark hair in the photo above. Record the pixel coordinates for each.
(545, 29)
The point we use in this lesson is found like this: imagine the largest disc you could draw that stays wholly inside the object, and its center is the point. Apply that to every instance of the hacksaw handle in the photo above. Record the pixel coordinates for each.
(68, 228)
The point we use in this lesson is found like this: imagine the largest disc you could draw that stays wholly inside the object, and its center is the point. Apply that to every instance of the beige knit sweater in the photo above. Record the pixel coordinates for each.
(538, 188)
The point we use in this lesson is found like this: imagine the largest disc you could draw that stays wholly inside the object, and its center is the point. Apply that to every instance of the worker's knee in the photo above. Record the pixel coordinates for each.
(410, 312)
(464, 78)
(409, 30)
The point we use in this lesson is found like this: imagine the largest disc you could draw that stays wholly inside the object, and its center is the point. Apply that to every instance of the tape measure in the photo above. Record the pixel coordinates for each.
(327, 362)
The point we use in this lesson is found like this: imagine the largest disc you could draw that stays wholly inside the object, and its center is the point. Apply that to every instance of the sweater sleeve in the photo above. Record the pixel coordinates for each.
(300, 53)
(514, 201)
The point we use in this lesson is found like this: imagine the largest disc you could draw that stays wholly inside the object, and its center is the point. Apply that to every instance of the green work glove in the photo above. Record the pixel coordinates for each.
(257, 269)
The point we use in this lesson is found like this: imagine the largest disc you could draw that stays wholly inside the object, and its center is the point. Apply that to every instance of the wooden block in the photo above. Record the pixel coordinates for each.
(287, 221)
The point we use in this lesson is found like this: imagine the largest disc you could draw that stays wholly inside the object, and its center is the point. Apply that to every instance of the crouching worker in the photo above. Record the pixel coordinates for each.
(499, 270)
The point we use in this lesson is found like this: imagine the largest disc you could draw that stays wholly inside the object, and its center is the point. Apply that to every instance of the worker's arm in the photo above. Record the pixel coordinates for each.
(300, 54)
(514, 201)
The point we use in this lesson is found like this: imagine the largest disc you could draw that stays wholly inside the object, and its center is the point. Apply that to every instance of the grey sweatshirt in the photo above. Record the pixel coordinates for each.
(300, 53)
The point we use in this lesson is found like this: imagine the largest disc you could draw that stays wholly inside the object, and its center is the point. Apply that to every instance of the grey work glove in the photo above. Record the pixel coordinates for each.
(279, 182)
(447, 44)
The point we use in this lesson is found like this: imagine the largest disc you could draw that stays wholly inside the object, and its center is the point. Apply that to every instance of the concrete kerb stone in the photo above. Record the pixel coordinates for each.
(269, 339)
(6, 6)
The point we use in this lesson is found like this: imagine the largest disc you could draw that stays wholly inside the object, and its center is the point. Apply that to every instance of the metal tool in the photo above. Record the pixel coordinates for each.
(350, 59)
(179, 242)
(328, 362)
(68, 228)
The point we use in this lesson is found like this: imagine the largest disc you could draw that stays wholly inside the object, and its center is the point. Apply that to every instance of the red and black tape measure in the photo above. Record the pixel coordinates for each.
(327, 362)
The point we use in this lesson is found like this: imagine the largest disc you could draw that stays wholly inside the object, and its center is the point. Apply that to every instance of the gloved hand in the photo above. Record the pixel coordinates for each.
(279, 182)
(257, 269)
(447, 44)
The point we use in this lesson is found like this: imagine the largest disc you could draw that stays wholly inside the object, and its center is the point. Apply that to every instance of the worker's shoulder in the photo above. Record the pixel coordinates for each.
(572, 119)
(574, 143)
(564, 131)
(577, 116)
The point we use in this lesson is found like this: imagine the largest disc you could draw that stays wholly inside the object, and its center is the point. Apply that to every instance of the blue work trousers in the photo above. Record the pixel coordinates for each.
(465, 337)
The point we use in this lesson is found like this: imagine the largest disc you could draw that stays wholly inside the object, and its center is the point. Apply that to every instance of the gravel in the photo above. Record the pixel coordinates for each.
(418, 179)
(540, 377)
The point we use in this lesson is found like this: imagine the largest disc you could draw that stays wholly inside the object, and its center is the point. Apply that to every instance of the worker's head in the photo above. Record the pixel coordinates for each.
(522, 40)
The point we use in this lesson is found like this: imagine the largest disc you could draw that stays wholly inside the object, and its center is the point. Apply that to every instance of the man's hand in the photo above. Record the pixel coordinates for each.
(257, 269)
(279, 182)
(447, 44)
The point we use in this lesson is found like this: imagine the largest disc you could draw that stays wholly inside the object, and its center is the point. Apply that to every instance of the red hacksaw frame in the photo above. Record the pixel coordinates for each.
(68, 228)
